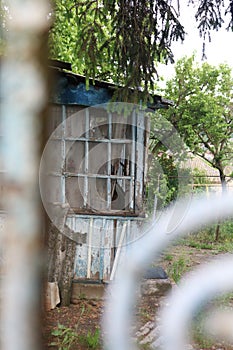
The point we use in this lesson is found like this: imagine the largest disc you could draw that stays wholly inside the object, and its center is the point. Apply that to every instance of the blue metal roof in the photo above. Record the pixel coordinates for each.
(70, 88)
(68, 93)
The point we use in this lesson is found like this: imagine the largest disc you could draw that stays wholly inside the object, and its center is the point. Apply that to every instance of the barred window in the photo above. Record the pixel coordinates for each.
(99, 163)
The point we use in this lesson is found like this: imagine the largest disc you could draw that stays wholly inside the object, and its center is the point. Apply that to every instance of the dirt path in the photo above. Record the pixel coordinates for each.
(85, 317)
(191, 257)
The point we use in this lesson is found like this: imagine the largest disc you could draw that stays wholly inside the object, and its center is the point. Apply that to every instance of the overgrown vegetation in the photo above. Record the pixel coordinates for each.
(68, 338)
(202, 111)
(202, 240)
(166, 180)
(178, 268)
(202, 115)
(199, 332)
(205, 238)
(96, 36)
(179, 265)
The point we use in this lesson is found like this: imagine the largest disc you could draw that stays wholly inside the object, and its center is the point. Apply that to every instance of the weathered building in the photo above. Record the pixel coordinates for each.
(94, 172)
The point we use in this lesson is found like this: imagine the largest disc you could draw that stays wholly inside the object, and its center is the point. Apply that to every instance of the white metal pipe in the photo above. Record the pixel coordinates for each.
(202, 285)
(89, 247)
(184, 217)
(109, 165)
(24, 96)
(132, 163)
(63, 154)
(119, 246)
(86, 156)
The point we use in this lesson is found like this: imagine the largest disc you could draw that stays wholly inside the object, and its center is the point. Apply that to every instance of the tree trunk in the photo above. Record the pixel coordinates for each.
(223, 180)
(224, 189)
(217, 232)
(61, 258)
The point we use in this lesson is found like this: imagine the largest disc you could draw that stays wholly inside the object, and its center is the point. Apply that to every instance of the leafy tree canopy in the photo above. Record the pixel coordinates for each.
(203, 110)
(121, 40)
(4, 13)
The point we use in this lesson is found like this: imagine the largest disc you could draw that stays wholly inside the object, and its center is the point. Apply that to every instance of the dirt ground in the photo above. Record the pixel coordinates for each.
(85, 316)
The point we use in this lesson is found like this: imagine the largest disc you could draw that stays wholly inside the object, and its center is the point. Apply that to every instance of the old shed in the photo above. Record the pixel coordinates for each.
(94, 171)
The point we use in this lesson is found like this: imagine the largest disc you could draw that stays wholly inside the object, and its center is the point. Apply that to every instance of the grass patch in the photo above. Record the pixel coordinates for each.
(67, 338)
(168, 257)
(203, 340)
(205, 238)
(216, 247)
(178, 268)
(91, 340)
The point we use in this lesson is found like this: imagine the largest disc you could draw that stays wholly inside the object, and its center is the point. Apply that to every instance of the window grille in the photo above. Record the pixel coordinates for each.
(102, 159)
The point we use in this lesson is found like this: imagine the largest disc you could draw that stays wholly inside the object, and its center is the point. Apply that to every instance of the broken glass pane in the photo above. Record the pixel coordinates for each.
(75, 124)
(98, 158)
(99, 127)
(75, 157)
(75, 192)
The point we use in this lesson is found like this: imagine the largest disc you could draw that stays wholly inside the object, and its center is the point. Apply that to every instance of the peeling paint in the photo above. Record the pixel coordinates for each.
(105, 240)
(98, 217)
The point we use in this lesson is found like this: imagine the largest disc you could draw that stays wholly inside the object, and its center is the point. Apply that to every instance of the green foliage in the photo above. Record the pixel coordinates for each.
(64, 33)
(144, 346)
(202, 113)
(205, 238)
(168, 257)
(200, 178)
(92, 340)
(67, 337)
(227, 230)
(198, 334)
(123, 40)
(167, 177)
(221, 302)
(4, 16)
(96, 36)
(158, 185)
(166, 180)
(178, 268)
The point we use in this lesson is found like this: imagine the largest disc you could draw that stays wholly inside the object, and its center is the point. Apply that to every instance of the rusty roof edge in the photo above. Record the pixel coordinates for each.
(66, 69)
(60, 64)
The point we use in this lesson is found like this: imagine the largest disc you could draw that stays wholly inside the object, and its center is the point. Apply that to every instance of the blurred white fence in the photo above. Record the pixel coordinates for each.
(184, 217)
(23, 98)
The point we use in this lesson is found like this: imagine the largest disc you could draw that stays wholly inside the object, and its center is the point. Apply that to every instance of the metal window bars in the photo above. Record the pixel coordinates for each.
(96, 166)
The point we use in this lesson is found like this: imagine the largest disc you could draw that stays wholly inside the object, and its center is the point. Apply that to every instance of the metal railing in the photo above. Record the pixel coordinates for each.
(23, 98)
(184, 217)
